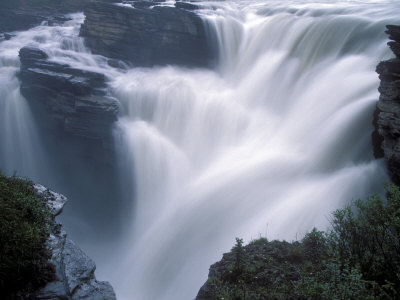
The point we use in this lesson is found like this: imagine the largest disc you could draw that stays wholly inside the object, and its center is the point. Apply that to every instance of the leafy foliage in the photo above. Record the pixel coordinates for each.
(368, 233)
(358, 259)
(24, 229)
(333, 280)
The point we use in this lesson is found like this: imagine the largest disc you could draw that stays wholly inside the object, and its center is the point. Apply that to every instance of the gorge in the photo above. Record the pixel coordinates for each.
(174, 127)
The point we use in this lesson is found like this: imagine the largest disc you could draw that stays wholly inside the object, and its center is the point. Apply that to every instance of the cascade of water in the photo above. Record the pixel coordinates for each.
(270, 142)
(20, 148)
(41, 156)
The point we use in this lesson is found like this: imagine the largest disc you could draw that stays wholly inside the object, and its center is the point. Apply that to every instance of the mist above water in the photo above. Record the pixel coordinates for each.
(268, 143)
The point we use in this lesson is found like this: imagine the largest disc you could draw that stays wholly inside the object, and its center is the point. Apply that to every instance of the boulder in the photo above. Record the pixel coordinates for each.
(74, 278)
(386, 136)
(76, 100)
(147, 36)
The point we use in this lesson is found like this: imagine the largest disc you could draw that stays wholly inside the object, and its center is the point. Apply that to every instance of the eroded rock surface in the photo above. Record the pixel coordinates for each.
(76, 100)
(74, 278)
(18, 15)
(386, 137)
(145, 34)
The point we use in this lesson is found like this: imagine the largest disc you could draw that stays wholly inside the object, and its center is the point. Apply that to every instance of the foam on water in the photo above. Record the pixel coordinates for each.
(267, 143)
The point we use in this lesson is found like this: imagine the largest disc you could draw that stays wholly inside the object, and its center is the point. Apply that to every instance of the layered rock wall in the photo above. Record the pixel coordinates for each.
(18, 15)
(386, 137)
(145, 34)
(76, 100)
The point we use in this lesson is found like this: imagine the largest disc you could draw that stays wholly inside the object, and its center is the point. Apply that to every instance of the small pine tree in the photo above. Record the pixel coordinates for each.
(240, 256)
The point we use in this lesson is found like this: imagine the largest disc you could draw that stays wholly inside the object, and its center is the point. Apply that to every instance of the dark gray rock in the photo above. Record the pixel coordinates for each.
(94, 290)
(18, 15)
(15, 20)
(389, 70)
(78, 266)
(394, 32)
(147, 36)
(186, 5)
(142, 4)
(74, 278)
(395, 47)
(76, 100)
(386, 136)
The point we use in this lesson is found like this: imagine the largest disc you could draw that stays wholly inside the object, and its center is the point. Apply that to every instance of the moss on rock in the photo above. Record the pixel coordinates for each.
(25, 222)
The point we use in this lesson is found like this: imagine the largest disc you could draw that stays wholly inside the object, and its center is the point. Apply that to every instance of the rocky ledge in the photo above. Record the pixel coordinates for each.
(76, 100)
(74, 270)
(260, 270)
(386, 137)
(23, 14)
(145, 34)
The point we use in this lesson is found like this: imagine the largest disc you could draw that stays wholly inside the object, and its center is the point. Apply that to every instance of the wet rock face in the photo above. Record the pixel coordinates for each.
(74, 278)
(12, 21)
(18, 15)
(146, 35)
(76, 100)
(386, 137)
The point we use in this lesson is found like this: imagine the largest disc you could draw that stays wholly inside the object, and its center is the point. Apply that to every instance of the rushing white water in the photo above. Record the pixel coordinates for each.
(269, 143)
(20, 148)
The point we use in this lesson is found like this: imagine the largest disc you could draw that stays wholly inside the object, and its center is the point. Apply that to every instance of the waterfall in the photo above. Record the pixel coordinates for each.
(20, 148)
(268, 143)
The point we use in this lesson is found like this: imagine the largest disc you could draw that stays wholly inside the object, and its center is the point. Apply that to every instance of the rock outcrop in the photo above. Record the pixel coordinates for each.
(76, 100)
(145, 34)
(260, 270)
(386, 137)
(74, 278)
(18, 15)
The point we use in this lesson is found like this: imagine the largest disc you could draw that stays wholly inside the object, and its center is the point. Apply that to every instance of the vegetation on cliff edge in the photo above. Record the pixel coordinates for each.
(24, 228)
(358, 259)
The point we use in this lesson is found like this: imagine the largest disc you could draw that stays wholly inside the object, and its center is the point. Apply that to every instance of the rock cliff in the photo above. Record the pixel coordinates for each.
(76, 100)
(386, 137)
(17, 15)
(23, 14)
(74, 278)
(145, 34)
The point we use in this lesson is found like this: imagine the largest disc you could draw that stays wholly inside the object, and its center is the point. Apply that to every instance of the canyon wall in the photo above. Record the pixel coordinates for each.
(386, 137)
(146, 34)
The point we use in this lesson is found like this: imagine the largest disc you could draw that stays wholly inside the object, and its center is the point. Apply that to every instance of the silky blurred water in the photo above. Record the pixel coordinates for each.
(268, 143)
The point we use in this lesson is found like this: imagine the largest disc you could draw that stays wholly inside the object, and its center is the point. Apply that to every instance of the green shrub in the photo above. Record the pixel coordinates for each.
(332, 279)
(359, 258)
(367, 233)
(24, 228)
(315, 246)
(240, 257)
